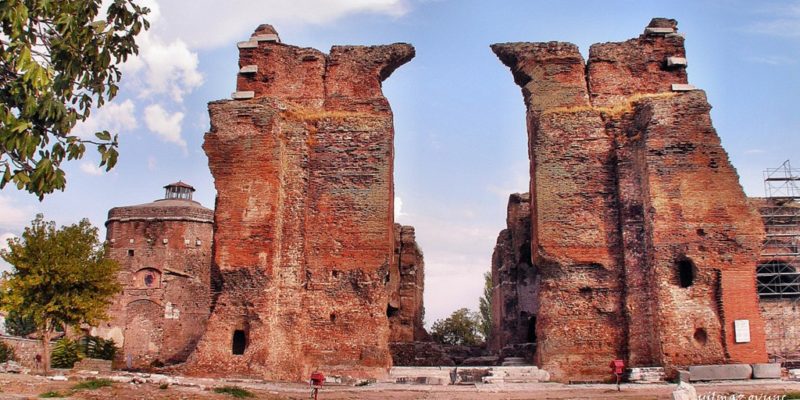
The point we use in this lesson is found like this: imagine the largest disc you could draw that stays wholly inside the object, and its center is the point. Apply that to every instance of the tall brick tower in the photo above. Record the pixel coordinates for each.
(641, 235)
(302, 160)
(164, 252)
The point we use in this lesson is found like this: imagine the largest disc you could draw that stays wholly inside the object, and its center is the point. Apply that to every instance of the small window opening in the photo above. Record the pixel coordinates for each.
(130, 252)
(392, 311)
(701, 232)
(333, 317)
(239, 342)
(686, 272)
(149, 279)
(335, 273)
(532, 329)
(701, 336)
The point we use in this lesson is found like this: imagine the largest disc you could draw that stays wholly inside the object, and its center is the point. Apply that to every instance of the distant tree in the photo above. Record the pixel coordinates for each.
(59, 277)
(485, 306)
(58, 59)
(19, 326)
(460, 328)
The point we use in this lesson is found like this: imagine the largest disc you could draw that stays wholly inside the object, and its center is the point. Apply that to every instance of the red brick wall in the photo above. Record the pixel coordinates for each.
(304, 216)
(627, 179)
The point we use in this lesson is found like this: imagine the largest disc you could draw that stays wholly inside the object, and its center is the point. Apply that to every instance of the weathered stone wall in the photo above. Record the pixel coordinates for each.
(164, 252)
(25, 350)
(304, 215)
(515, 287)
(406, 285)
(640, 231)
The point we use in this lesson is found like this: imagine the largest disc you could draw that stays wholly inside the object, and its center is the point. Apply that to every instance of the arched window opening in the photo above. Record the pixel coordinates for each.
(532, 329)
(239, 342)
(686, 272)
(147, 278)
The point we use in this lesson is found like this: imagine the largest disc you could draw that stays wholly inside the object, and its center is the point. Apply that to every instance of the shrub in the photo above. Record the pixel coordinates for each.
(97, 347)
(51, 394)
(65, 353)
(6, 352)
(234, 391)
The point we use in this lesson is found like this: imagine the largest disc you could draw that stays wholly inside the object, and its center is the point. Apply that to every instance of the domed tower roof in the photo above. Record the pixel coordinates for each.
(177, 205)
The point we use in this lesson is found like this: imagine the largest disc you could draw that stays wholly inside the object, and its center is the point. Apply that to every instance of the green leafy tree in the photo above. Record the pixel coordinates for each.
(19, 326)
(485, 306)
(460, 328)
(58, 59)
(59, 277)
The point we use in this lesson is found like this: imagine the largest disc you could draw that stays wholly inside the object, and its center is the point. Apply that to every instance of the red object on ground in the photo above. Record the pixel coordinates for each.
(317, 378)
(617, 367)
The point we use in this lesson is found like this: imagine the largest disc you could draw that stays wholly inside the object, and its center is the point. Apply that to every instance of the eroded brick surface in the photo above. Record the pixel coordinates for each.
(629, 187)
(406, 285)
(514, 297)
(304, 216)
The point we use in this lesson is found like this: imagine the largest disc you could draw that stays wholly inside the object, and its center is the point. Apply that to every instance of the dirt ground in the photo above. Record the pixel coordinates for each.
(14, 386)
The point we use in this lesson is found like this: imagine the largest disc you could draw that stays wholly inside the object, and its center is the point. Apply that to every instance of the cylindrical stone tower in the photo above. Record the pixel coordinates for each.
(164, 252)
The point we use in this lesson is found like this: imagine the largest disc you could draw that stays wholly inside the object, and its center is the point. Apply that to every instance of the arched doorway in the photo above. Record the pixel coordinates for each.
(143, 333)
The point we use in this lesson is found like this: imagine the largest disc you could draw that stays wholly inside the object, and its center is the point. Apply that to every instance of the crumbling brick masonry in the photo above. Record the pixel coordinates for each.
(302, 160)
(640, 232)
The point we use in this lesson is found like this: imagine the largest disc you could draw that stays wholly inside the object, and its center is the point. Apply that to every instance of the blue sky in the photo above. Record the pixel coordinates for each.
(459, 118)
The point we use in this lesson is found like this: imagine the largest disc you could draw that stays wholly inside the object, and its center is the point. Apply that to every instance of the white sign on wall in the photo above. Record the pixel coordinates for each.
(741, 327)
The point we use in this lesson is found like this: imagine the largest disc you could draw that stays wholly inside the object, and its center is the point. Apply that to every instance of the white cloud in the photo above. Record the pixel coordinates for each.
(91, 169)
(783, 20)
(166, 126)
(13, 216)
(212, 25)
(163, 68)
(398, 208)
(113, 117)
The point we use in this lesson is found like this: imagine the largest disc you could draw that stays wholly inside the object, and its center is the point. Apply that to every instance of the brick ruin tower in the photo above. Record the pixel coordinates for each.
(164, 252)
(641, 236)
(302, 160)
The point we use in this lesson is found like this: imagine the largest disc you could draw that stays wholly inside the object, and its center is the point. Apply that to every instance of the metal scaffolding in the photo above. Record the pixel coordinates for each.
(778, 269)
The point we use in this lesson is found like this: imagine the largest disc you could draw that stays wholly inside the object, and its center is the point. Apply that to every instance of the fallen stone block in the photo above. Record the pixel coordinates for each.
(767, 371)
(720, 372)
(794, 374)
(684, 391)
(11, 367)
(646, 374)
